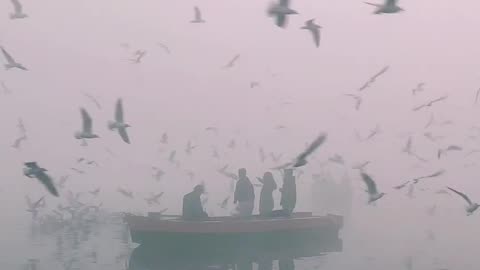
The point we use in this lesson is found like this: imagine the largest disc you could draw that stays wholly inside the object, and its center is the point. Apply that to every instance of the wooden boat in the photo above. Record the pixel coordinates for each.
(223, 233)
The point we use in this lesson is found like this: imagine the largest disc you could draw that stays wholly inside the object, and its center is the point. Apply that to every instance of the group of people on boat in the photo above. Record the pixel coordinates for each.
(244, 197)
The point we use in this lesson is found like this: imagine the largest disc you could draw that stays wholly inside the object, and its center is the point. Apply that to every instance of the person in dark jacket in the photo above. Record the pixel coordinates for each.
(192, 204)
(289, 192)
(266, 195)
(244, 195)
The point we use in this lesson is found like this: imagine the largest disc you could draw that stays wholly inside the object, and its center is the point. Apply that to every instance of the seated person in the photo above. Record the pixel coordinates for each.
(192, 204)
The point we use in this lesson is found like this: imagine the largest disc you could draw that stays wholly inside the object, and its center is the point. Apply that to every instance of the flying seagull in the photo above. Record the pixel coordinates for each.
(125, 193)
(448, 149)
(301, 159)
(232, 62)
(373, 78)
(18, 142)
(358, 100)
(280, 11)
(189, 148)
(94, 100)
(435, 174)
(158, 173)
(254, 84)
(337, 159)
(165, 47)
(471, 207)
(11, 63)
(138, 56)
(373, 194)
(198, 16)
(430, 103)
(119, 123)
(390, 6)
(154, 198)
(18, 9)
(314, 28)
(32, 170)
(419, 88)
(87, 125)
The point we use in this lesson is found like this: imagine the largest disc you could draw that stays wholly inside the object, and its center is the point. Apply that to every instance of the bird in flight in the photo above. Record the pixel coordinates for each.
(373, 194)
(138, 56)
(189, 148)
(401, 185)
(32, 170)
(435, 174)
(87, 126)
(358, 100)
(448, 149)
(94, 100)
(18, 10)
(280, 11)
(471, 207)
(11, 63)
(197, 16)
(418, 88)
(154, 198)
(165, 47)
(125, 193)
(373, 78)
(232, 62)
(430, 103)
(301, 160)
(390, 6)
(119, 123)
(314, 29)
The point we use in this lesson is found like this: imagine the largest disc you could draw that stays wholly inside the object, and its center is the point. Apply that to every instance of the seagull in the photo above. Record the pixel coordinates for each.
(358, 100)
(86, 132)
(390, 6)
(198, 16)
(401, 185)
(373, 78)
(314, 28)
(171, 157)
(448, 149)
(119, 123)
(280, 11)
(164, 138)
(18, 9)
(154, 198)
(373, 194)
(232, 62)
(11, 63)
(301, 159)
(471, 207)
(158, 173)
(337, 159)
(408, 146)
(139, 54)
(32, 170)
(125, 193)
(77, 171)
(435, 174)
(430, 103)
(189, 148)
(373, 133)
(419, 88)
(165, 47)
(17, 143)
(432, 138)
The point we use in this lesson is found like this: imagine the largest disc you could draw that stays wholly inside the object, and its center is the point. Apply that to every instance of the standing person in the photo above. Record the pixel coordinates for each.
(192, 204)
(289, 192)
(244, 195)
(266, 195)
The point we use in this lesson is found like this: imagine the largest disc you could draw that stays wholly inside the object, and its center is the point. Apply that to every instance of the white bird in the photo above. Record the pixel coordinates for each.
(373, 194)
(301, 159)
(471, 207)
(314, 28)
(32, 170)
(280, 11)
(358, 100)
(18, 9)
(390, 6)
(11, 63)
(232, 62)
(419, 88)
(198, 16)
(87, 126)
(119, 123)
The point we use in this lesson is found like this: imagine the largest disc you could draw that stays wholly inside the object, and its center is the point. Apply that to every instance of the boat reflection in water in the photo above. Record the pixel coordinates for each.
(228, 243)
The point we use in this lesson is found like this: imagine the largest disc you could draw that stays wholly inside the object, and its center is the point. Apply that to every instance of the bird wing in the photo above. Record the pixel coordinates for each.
(32, 165)
(313, 146)
(198, 13)
(47, 182)
(316, 36)
(437, 100)
(86, 121)
(454, 148)
(373, 4)
(461, 194)
(123, 133)
(9, 58)
(17, 6)
(371, 186)
(284, 3)
(119, 111)
(419, 107)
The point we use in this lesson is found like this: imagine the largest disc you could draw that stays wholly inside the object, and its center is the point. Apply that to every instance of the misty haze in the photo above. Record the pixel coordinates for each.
(227, 134)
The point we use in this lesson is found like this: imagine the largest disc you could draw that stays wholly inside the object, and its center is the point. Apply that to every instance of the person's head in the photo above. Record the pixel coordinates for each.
(269, 181)
(200, 189)
(242, 173)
